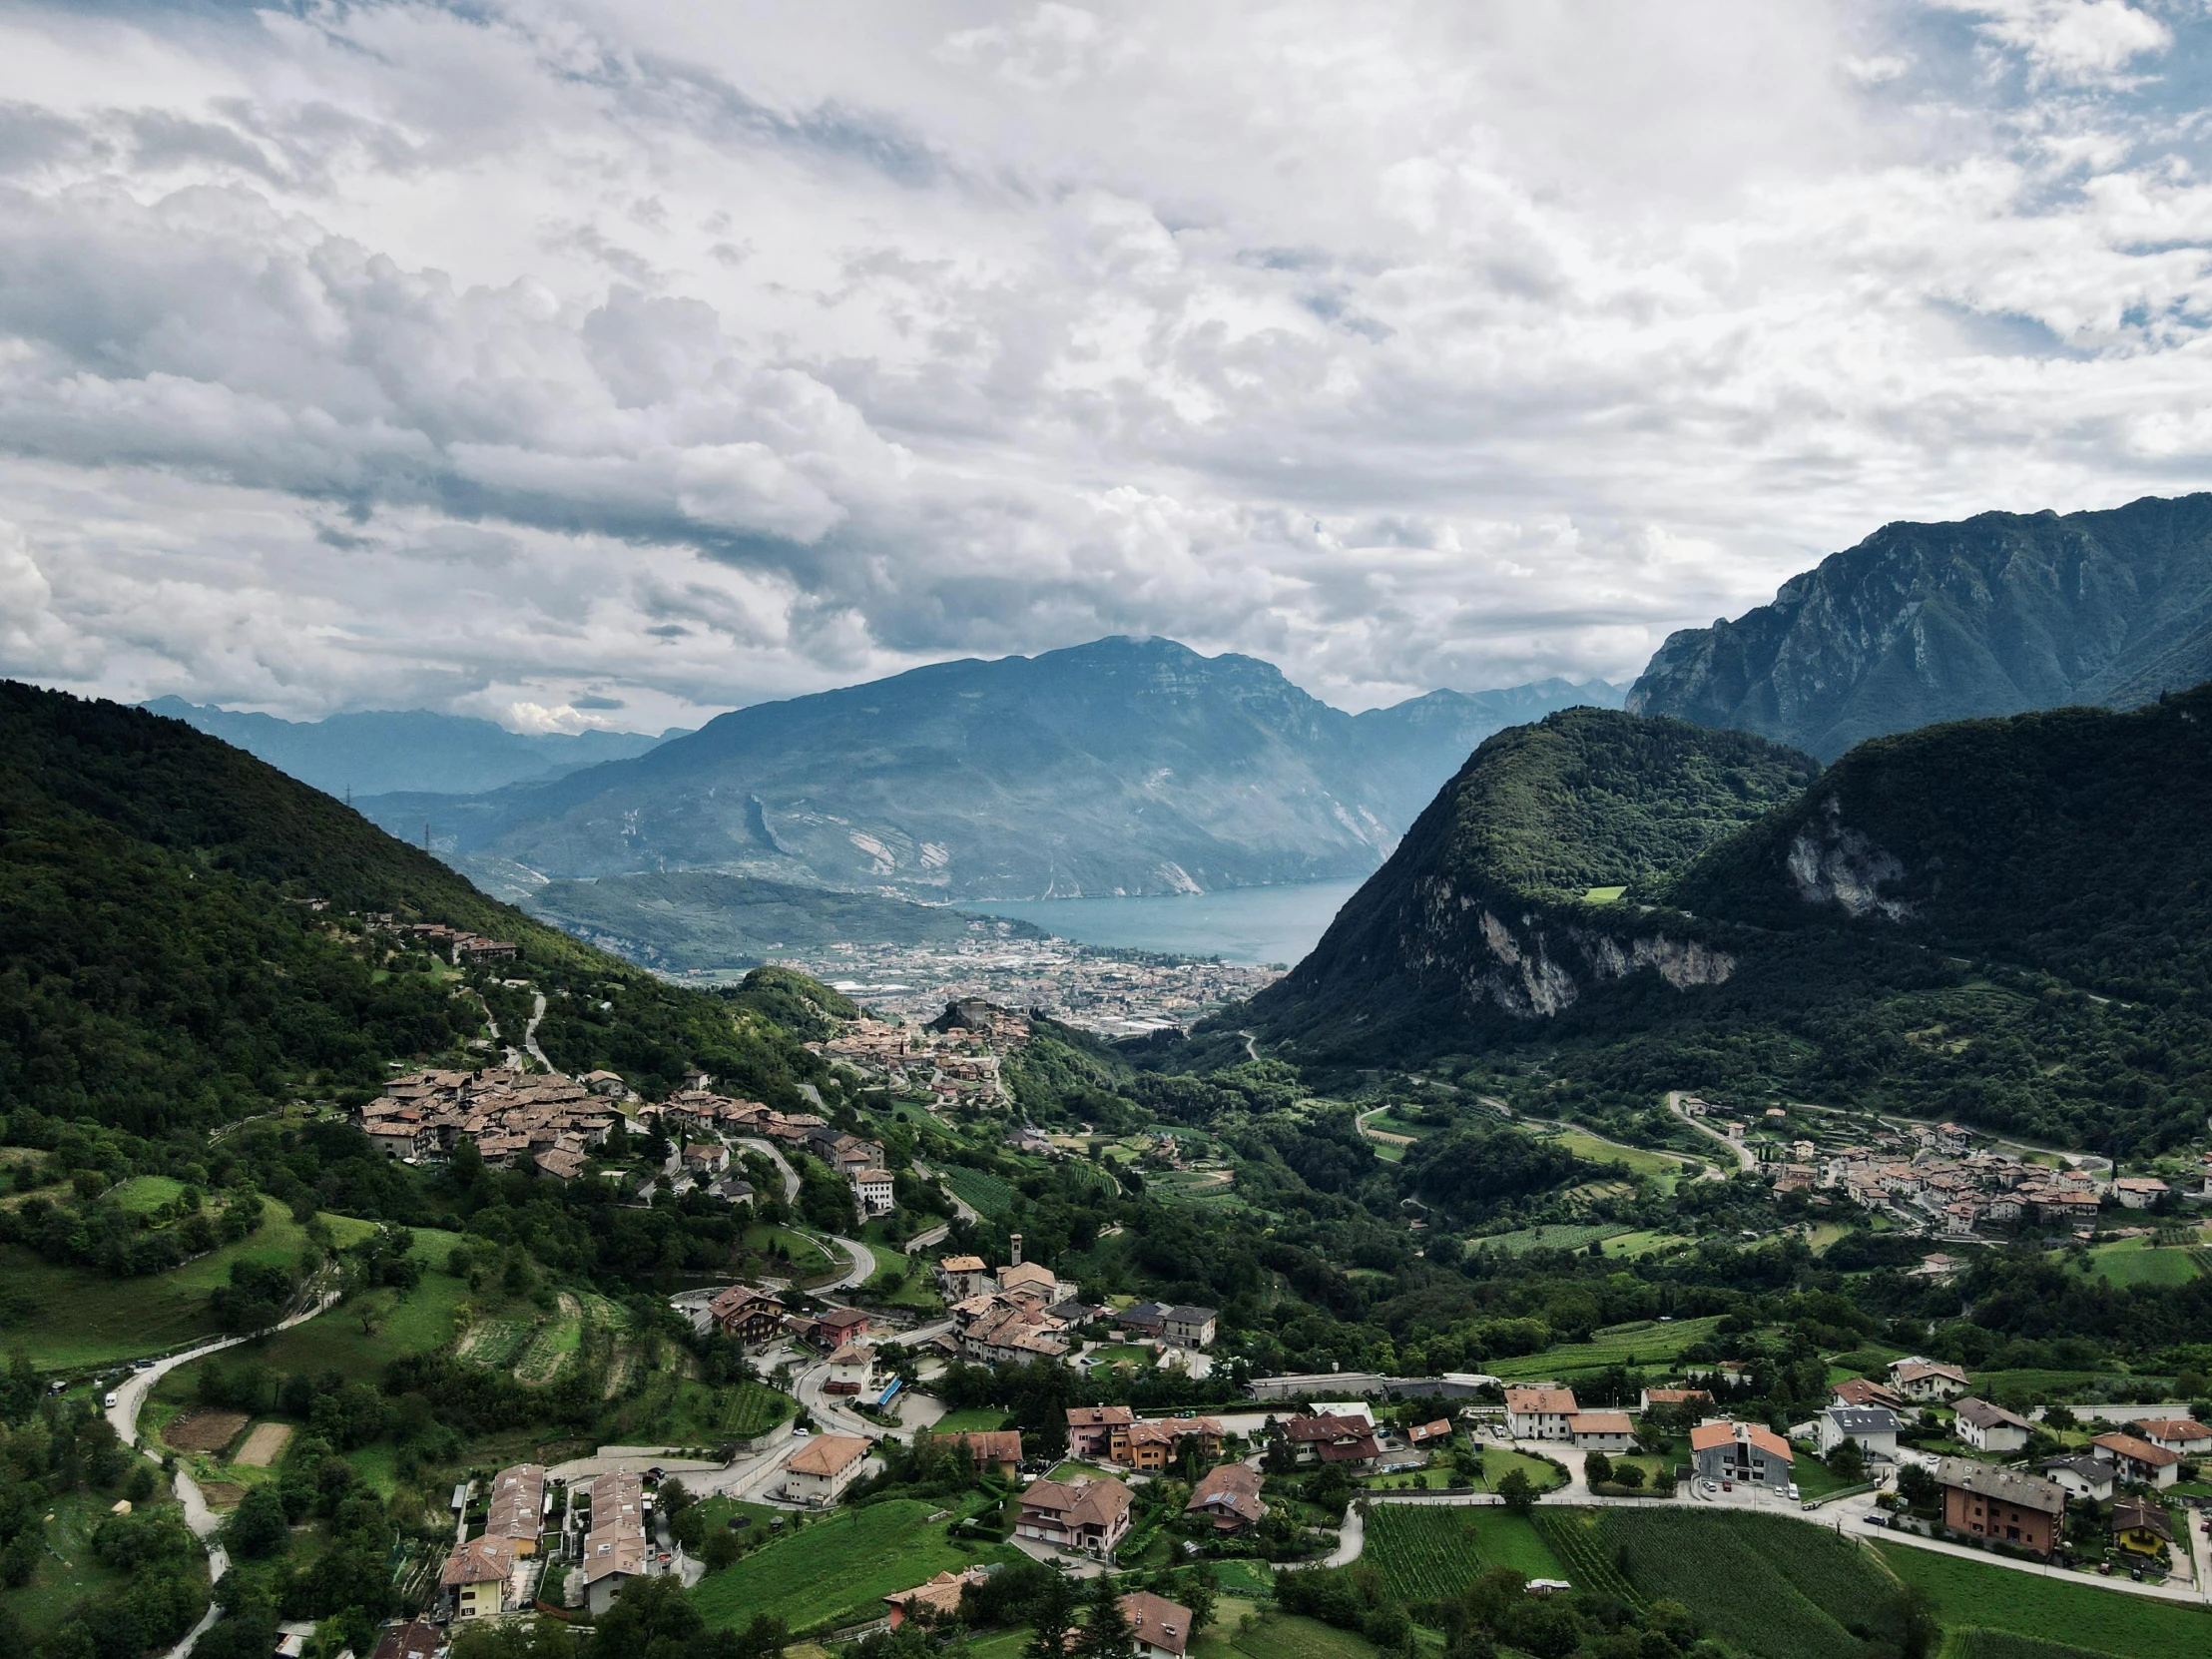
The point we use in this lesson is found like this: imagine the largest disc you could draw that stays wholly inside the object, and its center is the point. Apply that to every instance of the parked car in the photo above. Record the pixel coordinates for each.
(109, 1402)
(1875, 1518)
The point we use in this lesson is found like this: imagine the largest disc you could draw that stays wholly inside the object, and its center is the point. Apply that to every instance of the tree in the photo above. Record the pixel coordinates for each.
(1630, 1475)
(1848, 1461)
(1053, 1615)
(1106, 1633)
(1597, 1467)
(1519, 1491)
(259, 1527)
(648, 1612)
(1918, 1487)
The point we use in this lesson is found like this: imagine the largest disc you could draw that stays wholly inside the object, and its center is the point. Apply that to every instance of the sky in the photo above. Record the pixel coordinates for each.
(577, 363)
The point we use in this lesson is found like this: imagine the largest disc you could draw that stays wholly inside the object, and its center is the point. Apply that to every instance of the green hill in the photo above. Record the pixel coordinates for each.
(2070, 841)
(1517, 890)
(162, 964)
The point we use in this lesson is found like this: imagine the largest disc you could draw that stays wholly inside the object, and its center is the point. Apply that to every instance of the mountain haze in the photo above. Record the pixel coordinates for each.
(1998, 614)
(405, 749)
(1122, 766)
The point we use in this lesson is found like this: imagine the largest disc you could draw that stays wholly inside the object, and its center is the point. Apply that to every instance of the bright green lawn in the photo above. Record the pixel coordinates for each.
(145, 1192)
(1651, 1242)
(1603, 896)
(1286, 1636)
(1660, 1166)
(2134, 1262)
(975, 1418)
(2083, 1614)
(1643, 1342)
(835, 1571)
(376, 1465)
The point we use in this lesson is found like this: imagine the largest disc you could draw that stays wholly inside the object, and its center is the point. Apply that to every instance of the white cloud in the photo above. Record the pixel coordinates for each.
(566, 354)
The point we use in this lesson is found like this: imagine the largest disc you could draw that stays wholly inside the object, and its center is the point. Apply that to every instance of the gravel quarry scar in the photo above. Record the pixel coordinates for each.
(263, 1445)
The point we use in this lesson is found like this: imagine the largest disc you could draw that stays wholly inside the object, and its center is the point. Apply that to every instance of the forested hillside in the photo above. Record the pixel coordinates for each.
(161, 963)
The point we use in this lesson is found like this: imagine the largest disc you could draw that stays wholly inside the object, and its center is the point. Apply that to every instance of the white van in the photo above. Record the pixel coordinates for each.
(109, 1402)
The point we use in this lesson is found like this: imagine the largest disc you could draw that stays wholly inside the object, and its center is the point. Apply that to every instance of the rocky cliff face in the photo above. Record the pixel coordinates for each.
(1920, 622)
(1501, 907)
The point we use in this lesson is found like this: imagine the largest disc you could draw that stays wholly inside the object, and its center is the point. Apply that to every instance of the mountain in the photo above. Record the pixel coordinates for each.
(2000, 614)
(406, 748)
(2070, 841)
(701, 919)
(181, 941)
(1524, 885)
(1123, 766)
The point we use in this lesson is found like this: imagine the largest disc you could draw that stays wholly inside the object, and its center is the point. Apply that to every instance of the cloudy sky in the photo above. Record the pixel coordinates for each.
(574, 360)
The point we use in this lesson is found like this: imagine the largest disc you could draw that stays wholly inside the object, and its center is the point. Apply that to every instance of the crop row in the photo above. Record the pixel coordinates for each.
(1582, 1543)
(1425, 1552)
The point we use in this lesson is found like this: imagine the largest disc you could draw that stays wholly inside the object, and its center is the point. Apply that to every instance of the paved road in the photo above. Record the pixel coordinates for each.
(928, 1236)
(961, 1209)
(775, 1155)
(530, 1031)
(862, 1270)
(1741, 1151)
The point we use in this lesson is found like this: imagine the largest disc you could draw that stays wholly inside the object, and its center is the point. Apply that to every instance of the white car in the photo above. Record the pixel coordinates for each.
(1712, 1488)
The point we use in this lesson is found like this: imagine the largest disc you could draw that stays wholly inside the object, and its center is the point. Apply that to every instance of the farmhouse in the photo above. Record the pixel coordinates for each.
(1539, 1414)
(819, 1471)
(1744, 1451)
(1917, 1379)
(1188, 1327)
(1229, 1497)
(1158, 1628)
(1084, 1518)
(1991, 1502)
(478, 1575)
(1988, 1428)
(2138, 1460)
(750, 1316)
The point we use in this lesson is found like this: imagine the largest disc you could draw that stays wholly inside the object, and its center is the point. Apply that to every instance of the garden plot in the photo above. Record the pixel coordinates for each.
(205, 1430)
(265, 1446)
(552, 1345)
(495, 1344)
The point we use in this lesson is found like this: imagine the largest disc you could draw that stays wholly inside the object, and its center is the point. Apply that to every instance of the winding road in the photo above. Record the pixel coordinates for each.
(1741, 1151)
(775, 1155)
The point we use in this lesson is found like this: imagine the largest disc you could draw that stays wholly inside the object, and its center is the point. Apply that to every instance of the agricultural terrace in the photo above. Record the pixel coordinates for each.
(981, 1190)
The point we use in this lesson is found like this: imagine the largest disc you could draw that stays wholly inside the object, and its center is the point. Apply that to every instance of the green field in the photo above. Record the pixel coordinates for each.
(1663, 1167)
(1433, 1551)
(1759, 1583)
(1284, 1636)
(676, 1411)
(975, 1416)
(978, 1189)
(2135, 1262)
(74, 1317)
(1252, 1580)
(1645, 1343)
(1967, 1593)
(414, 1323)
(143, 1193)
(1550, 1235)
(805, 1257)
(835, 1571)
(1647, 1242)
(69, 1570)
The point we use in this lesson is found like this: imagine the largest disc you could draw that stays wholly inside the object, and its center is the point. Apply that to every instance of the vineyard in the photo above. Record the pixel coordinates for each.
(1578, 1537)
(2002, 1644)
(1431, 1552)
(1764, 1586)
(981, 1190)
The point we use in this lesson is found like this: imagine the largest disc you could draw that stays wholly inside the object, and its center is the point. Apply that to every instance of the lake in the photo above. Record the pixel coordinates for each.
(1238, 924)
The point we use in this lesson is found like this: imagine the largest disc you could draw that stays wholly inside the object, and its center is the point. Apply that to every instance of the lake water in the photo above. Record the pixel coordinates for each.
(1239, 924)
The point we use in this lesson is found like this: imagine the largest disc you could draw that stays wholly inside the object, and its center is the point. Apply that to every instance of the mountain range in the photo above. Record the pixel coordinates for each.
(1120, 767)
(380, 750)
(1998, 614)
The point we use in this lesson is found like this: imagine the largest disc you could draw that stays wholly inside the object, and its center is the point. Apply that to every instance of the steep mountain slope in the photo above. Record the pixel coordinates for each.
(2073, 842)
(160, 964)
(1486, 912)
(2001, 614)
(405, 749)
(702, 919)
(1123, 766)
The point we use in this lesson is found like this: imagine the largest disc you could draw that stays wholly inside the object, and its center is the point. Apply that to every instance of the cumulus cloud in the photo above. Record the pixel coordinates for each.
(582, 364)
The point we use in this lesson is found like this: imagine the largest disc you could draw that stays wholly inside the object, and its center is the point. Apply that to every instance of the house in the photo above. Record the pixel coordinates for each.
(1309, 1437)
(2138, 1192)
(559, 1161)
(750, 1316)
(1154, 1443)
(517, 1508)
(1601, 1430)
(851, 1369)
(820, 1471)
(935, 1601)
(1859, 1391)
(702, 1158)
(1988, 1428)
(1229, 1497)
(1874, 1428)
(1146, 1320)
(1917, 1379)
(1188, 1327)
(615, 1549)
(1091, 1430)
(2081, 1475)
(1538, 1414)
(2140, 1526)
(2138, 1460)
(1028, 1280)
(1158, 1628)
(1992, 1502)
(416, 1639)
(477, 1574)
(962, 1276)
(1675, 1398)
(831, 1331)
(1084, 1518)
(1743, 1451)
(602, 1082)
(996, 1449)
(2183, 1434)
(1429, 1433)
(875, 1190)
(1357, 1454)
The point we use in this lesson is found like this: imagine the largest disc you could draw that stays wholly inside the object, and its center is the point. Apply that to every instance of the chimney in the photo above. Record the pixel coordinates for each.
(1017, 1249)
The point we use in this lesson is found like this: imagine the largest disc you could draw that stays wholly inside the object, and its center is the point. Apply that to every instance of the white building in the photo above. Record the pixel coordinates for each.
(876, 1191)
(1601, 1430)
(1988, 1428)
(1873, 1428)
(1918, 1379)
(1539, 1414)
(819, 1471)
